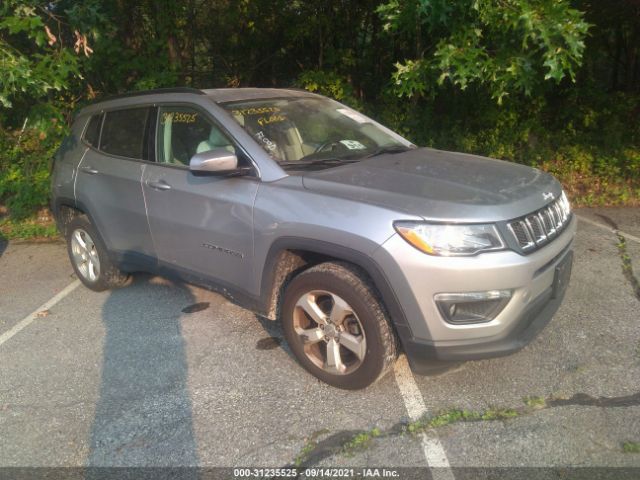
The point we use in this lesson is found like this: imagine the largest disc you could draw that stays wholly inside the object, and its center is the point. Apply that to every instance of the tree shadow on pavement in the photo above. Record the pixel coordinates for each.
(143, 416)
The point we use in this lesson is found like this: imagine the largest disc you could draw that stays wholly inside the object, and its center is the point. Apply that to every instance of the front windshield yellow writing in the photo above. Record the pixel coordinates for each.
(262, 121)
(255, 111)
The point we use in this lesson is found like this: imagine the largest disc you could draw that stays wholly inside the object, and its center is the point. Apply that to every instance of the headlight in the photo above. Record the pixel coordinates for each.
(450, 240)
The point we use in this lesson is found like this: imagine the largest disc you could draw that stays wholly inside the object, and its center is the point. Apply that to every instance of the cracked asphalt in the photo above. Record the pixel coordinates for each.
(164, 374)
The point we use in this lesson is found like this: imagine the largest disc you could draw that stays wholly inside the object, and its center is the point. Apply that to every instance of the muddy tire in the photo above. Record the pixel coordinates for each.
(89, 257)
(337, 327)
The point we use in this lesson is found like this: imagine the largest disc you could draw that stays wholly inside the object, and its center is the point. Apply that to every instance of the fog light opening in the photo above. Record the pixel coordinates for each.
(472, 307)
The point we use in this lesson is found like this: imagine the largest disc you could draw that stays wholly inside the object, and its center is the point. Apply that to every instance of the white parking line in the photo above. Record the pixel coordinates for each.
(414, 403)
(627, 236)
(26, 321)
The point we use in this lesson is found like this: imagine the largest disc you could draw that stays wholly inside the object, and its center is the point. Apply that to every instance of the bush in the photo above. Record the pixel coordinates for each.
(330, 84)
(589, 140)
(25, 163)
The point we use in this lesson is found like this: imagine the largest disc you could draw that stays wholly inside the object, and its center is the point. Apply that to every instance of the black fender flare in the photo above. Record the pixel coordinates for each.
(339, 252)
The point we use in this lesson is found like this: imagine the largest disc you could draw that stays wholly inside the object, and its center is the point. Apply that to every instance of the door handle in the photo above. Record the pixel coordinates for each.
(89, 170)
(161, 185)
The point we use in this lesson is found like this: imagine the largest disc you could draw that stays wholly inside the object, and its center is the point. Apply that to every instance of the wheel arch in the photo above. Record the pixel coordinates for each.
(64, 210)
(289, 256)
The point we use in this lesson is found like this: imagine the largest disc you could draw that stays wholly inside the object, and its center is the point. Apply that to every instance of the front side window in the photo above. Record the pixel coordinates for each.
(123, 133)
(185, 131)
(305, 130)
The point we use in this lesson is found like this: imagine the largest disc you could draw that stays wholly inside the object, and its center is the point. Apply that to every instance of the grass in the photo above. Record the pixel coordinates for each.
(29, 229)
(360, 441)
(631, 447)
(39, 225)
(309, 446)
(535, 402)
(455, 415)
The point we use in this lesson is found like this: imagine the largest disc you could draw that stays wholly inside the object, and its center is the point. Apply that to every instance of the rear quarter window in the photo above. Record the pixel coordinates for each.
(92, 132)
(123, 132)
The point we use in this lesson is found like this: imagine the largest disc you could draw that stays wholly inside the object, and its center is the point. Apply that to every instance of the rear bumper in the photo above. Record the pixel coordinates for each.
(425, 356)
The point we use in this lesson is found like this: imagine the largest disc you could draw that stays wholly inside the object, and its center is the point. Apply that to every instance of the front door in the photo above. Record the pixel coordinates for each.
(201, 223)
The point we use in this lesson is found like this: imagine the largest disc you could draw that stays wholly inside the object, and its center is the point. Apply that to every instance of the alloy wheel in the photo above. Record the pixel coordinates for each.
(85, 255)
(330, 332)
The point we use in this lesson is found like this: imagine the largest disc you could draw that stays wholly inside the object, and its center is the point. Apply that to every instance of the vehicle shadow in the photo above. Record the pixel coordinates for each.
(274, 336)
(143, 416)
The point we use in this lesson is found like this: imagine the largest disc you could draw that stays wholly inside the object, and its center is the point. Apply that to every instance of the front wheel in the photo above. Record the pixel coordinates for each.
(336, 326)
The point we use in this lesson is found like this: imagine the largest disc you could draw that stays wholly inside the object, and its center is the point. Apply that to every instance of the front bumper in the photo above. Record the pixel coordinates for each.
(429, 341)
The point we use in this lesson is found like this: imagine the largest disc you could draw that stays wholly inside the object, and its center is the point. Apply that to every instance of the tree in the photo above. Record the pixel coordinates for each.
(39, 50)
(507, 46)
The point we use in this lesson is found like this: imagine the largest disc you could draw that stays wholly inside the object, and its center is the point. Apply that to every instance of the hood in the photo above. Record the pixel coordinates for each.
(440, 186)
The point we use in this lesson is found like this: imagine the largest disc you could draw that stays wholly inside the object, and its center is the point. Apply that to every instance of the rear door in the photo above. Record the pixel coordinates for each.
(108, 184)
(200, 223)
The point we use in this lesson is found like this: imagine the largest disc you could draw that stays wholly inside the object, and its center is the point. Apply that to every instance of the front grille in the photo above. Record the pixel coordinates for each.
(539, 228)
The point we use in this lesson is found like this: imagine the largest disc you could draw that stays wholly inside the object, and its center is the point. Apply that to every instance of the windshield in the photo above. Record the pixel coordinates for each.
(313, 131)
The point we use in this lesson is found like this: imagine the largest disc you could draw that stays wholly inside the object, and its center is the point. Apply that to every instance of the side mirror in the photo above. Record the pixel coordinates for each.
(219, 160)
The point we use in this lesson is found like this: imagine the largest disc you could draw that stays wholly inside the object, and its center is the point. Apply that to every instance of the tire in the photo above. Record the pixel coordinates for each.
(90, 258)
(337, 327)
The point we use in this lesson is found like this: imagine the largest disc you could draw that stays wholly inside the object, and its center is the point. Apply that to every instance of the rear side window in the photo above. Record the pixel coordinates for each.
(123, 132)
(92, 133)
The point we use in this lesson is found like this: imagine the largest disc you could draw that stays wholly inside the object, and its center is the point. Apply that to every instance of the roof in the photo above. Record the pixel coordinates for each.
(217, 95)
(222, 95)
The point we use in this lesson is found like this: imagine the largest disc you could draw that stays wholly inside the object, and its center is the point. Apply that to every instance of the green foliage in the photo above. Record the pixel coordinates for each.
(631, 447)
(360, 441)
(28, 229)
(32, 59)
(25, 162)
(588, 139)
(535, 402)
(549, 83)
(330, 84)
(457, 415)
(509, 47)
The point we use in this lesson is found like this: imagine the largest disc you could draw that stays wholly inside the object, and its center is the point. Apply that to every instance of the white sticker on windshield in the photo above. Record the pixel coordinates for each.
(353, 145)
(355, 116)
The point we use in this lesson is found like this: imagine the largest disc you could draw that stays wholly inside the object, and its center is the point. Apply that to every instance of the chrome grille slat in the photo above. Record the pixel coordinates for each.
(557, 212)
(540, 227)
(522, 235)
(544, 223)
(551, 222)
(552, 215)
(535, 228)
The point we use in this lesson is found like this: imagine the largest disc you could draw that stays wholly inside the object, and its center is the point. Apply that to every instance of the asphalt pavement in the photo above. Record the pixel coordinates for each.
(166, 374)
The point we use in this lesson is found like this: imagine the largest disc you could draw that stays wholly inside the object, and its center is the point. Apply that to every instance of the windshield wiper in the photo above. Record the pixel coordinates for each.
(387, 149)
(320, 161)
(351, 159)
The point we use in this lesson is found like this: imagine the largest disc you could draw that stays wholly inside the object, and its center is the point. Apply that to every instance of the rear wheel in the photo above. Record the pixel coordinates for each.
(336, 326)
(89, 257)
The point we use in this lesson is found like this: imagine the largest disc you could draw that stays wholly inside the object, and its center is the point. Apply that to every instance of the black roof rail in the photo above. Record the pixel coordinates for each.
(140, 93)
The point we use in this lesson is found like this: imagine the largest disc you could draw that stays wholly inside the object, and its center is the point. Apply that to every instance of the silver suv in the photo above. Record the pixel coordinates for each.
(312, 214)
